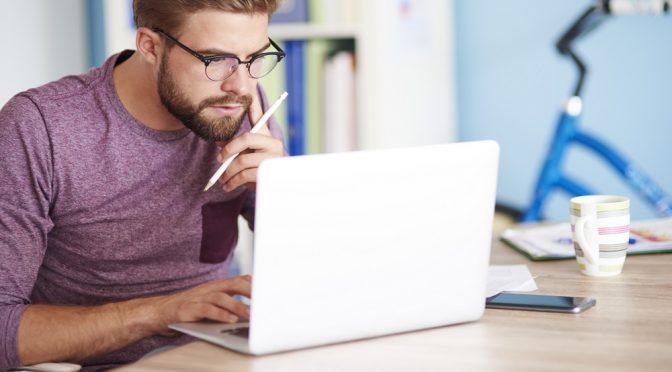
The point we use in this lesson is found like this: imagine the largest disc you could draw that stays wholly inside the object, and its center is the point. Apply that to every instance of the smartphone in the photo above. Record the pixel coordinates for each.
(528, 301)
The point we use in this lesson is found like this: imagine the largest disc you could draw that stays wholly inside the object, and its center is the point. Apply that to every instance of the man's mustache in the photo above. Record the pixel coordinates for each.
(212, 101)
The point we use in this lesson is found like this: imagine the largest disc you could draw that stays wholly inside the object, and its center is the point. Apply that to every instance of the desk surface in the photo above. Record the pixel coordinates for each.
(630, 329)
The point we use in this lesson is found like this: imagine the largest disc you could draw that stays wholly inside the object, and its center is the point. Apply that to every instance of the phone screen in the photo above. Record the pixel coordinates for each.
(526, 301)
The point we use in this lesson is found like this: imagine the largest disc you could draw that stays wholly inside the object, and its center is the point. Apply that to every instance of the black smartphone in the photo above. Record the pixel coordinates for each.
(536, 302)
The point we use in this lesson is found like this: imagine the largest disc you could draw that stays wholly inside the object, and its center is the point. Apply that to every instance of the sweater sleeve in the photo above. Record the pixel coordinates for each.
(276, 132)
(25, 191)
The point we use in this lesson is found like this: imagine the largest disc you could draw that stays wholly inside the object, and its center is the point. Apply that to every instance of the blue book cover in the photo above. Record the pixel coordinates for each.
(294, 78)
(291, 11)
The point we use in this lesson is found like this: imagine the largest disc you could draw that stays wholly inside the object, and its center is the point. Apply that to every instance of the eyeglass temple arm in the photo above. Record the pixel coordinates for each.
(276, 46)
(186, 48)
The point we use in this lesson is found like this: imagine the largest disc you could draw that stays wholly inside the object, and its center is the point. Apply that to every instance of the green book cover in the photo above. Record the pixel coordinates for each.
(316, 11)
(316, 54)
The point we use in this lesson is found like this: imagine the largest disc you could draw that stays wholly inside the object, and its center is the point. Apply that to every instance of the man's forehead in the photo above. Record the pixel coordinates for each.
(220, 32)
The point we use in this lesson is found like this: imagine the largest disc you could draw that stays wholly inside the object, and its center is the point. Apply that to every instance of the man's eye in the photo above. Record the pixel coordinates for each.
(222, 59)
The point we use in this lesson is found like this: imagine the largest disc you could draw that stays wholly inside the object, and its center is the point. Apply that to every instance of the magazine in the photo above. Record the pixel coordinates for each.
(554, 241)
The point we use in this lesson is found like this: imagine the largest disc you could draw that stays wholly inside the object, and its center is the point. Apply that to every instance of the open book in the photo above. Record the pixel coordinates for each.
(553, 242)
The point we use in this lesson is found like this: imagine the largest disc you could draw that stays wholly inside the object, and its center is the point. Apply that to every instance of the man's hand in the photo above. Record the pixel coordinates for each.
(56, 333)
(211, 301)
(253, 149)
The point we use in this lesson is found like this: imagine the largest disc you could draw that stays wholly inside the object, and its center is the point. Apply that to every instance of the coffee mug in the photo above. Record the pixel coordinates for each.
(600, 231)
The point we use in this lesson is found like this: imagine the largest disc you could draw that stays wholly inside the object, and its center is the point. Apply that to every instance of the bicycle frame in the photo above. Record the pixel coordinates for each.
(552, 177)
(567, 132)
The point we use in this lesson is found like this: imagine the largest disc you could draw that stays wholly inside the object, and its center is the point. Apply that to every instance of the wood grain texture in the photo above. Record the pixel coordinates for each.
(630, 329)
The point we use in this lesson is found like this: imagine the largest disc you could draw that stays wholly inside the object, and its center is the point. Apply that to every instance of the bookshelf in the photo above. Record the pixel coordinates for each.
(307, 31)
(404, 79)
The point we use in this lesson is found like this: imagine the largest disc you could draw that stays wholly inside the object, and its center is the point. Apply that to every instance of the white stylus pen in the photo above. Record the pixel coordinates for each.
(255, 129)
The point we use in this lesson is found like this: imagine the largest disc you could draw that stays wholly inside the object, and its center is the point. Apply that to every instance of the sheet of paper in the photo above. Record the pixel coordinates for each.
(509, 278)
(651, 235)
(546, 241)
(555, 241)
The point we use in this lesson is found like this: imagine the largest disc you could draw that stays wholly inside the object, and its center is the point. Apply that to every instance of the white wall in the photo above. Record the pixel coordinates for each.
(406, 72)
(119, 34)
(41, 41)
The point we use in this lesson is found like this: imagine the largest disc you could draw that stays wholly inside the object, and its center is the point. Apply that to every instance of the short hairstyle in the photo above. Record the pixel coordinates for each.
(170, 14)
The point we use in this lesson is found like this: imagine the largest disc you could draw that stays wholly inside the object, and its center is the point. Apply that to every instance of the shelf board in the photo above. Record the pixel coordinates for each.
(295, 31)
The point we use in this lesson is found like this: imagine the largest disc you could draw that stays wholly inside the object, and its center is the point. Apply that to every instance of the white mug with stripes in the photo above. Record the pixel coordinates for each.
(601, 231)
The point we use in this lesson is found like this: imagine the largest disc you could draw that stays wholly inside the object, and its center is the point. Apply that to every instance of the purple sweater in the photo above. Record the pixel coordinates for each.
(95, 207)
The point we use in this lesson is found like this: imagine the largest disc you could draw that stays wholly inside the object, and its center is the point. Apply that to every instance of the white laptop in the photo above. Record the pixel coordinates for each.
(364, 244)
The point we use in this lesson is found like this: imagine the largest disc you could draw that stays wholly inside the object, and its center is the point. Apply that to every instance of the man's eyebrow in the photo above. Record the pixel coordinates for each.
(220, 52)
(268, 44)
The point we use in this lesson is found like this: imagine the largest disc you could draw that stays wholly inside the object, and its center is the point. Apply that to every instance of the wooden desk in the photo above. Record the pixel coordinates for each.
(630, 329)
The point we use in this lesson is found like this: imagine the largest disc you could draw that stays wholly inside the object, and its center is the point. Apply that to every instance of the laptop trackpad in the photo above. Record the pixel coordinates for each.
(242, 331)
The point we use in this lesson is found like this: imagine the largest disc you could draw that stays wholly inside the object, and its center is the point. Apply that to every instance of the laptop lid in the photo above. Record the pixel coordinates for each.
(362, 244)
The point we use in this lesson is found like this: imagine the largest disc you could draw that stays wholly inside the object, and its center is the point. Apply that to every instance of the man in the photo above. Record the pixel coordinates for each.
(106, 235)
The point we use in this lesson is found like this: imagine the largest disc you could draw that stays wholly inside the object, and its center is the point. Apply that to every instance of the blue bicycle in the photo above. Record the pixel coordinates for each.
(568, 132)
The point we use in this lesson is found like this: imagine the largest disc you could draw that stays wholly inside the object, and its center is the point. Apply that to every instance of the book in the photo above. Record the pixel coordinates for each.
(340, 127)
(294, 78)
(333, 12)
(554, 241)
(274, 85)
(316, 55)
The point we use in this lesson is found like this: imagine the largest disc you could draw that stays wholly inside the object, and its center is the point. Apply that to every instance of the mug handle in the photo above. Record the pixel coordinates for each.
(580, 230)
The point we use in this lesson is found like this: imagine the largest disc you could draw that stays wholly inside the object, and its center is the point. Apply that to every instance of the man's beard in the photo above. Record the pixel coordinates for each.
(220, 129)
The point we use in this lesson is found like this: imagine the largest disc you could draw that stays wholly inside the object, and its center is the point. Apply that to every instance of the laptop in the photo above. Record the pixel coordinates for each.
(364, 244)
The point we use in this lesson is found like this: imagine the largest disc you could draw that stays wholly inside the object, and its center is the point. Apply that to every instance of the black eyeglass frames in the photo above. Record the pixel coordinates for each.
(220, 67)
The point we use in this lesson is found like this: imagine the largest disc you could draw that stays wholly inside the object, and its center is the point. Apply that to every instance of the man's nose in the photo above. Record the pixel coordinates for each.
(237, 82)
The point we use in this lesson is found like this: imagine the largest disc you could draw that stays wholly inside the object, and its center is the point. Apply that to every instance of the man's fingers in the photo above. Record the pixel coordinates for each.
(243, 170)
(251, 141)
(213, 300)
(195, 311)
(265, 131)
(254, 148)
(255, 112)
(240, 285)
(215, 305)
(226, 302)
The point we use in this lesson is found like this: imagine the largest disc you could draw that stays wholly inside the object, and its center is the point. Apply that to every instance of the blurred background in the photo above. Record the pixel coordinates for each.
(420, 72)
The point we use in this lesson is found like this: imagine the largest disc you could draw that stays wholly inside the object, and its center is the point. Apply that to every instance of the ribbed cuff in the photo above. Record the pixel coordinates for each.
(10, 315)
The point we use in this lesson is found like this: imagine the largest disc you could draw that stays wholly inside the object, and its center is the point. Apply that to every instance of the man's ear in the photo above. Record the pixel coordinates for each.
(148, 44)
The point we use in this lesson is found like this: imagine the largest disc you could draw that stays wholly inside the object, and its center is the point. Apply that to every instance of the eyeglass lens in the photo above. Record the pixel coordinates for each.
(222, 68)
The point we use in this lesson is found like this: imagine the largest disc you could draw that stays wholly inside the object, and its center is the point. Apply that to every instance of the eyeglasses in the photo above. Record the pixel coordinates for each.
(220, 67)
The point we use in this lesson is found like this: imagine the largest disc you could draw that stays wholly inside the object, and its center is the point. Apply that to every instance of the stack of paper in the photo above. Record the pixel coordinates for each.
(511, 278)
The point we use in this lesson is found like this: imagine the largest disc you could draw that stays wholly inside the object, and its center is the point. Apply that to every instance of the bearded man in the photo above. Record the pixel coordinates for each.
(106, 235)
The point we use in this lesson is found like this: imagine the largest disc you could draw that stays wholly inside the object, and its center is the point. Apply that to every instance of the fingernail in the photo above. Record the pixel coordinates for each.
(219, 158)
(232, 318)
